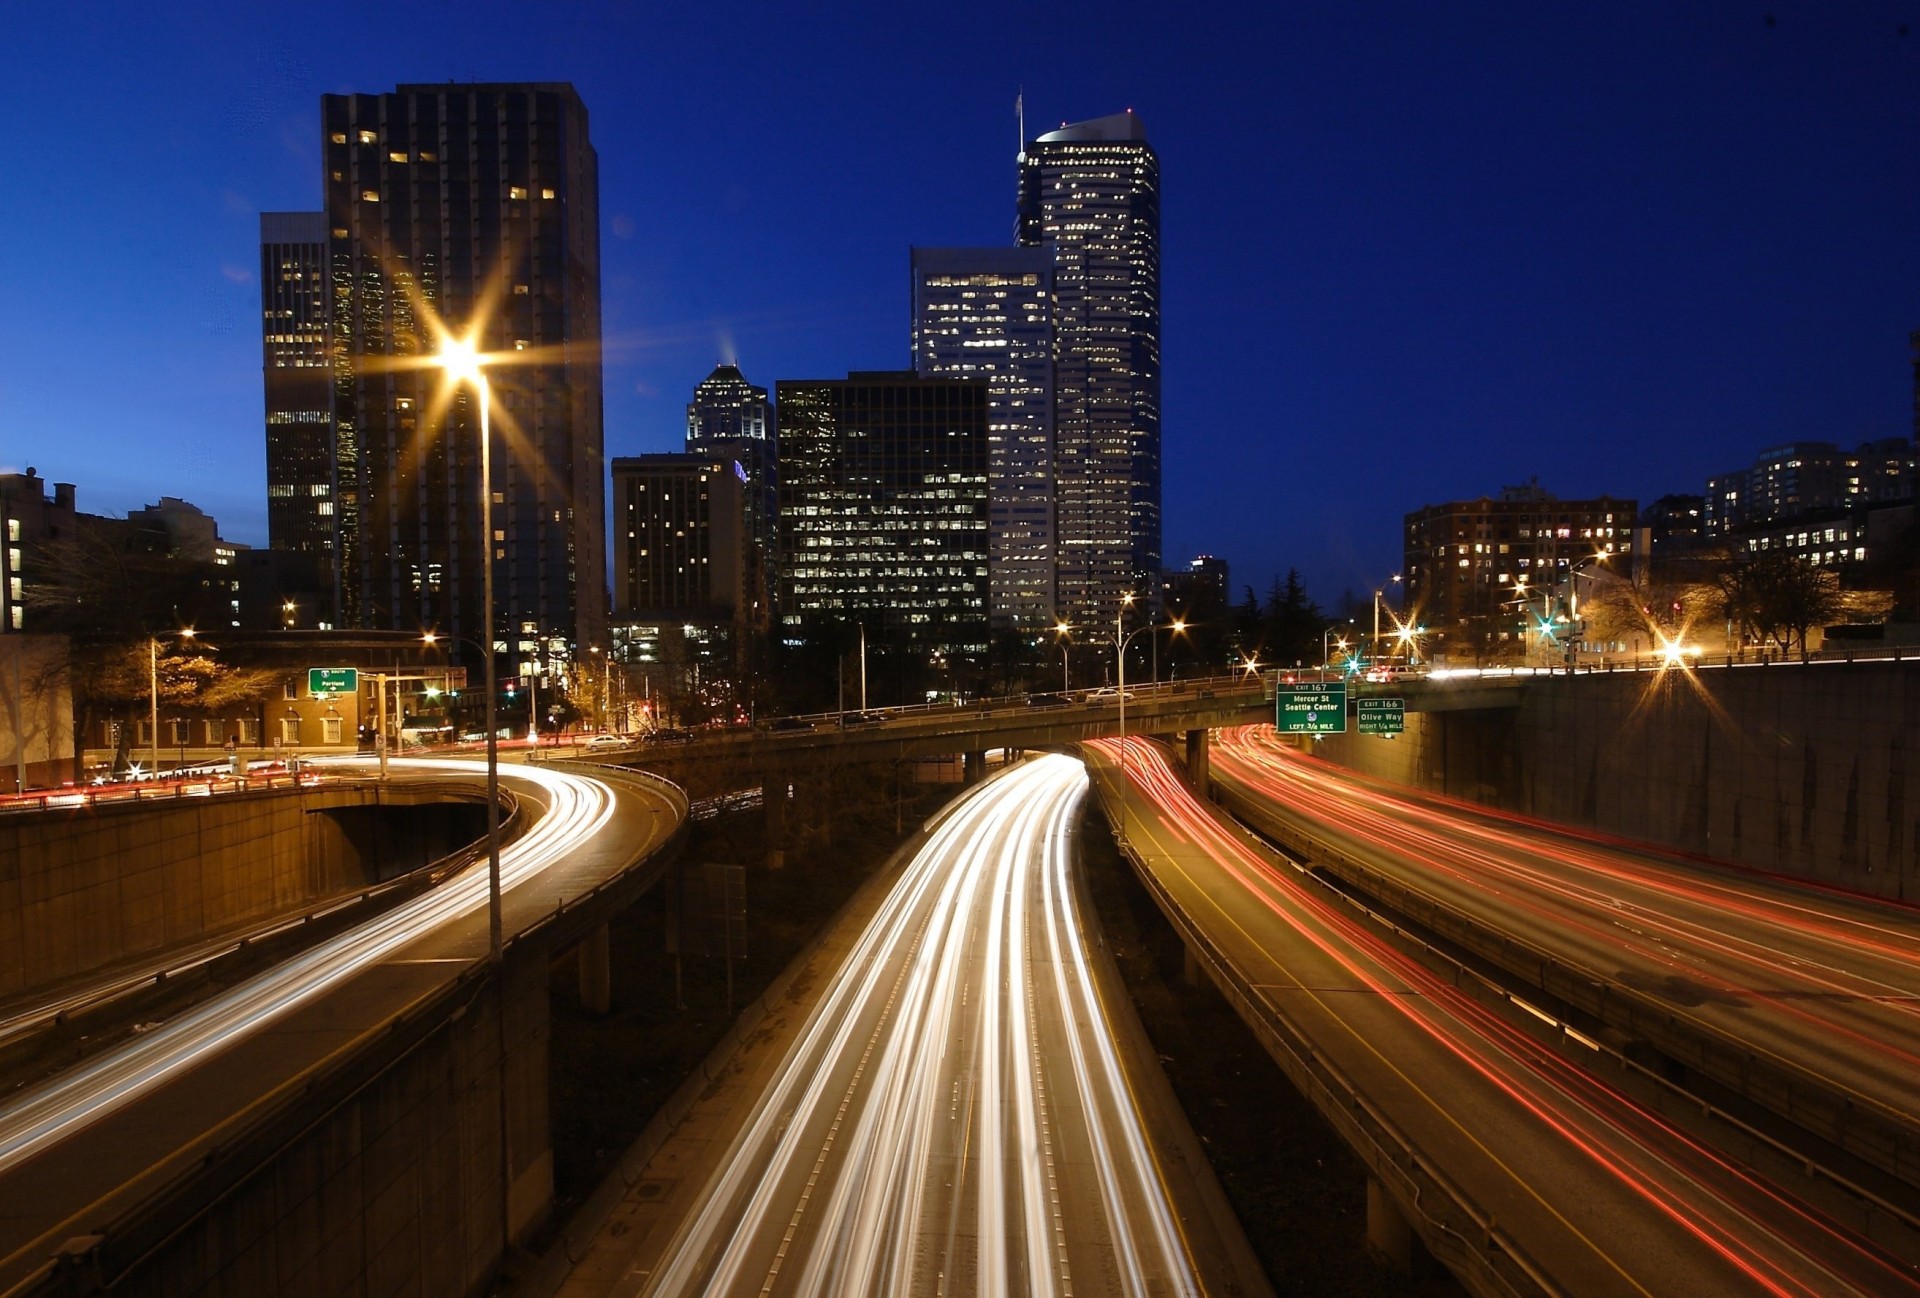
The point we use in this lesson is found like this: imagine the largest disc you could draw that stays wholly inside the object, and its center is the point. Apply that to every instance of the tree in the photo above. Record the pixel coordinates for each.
(1780, 596)
(1293, 621)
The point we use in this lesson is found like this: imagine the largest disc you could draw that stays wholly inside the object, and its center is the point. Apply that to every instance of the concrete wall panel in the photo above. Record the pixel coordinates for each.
(1807, 770)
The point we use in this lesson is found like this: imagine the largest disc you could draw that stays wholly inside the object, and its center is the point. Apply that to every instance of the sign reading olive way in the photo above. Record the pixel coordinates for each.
(1313, 708)
(333, 680)
(1381, 716)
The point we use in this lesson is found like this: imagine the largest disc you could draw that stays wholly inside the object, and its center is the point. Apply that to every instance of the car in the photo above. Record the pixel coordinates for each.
(1048, 701)
(790, 723)
(668, 735)
(861, 719)
(1384, 672)
(1108, 693)
(602, 742)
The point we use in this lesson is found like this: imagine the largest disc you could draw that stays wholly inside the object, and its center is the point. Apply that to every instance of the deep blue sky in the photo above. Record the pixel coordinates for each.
(1411, 253)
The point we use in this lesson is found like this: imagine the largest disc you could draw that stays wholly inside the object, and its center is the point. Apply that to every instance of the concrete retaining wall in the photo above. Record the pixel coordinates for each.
(86, 889)
(393, 1188)
(1808, 770)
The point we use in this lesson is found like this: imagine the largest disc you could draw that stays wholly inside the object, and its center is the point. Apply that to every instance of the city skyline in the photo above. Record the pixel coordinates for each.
(1385, 286)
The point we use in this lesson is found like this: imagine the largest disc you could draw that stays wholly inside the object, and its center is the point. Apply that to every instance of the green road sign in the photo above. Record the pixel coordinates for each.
(333, 680)
(1314, 708)
(1381, 716)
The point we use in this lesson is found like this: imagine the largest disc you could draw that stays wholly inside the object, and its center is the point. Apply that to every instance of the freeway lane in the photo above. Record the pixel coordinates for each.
(954, 1116)
(88, 1139)
(1824, 984)
(1589, 1191)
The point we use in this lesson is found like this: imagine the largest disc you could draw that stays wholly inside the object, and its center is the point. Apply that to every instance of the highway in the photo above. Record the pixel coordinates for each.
(86, 1136)
(1581, 1189)
(954, 1116)
(1822, 983)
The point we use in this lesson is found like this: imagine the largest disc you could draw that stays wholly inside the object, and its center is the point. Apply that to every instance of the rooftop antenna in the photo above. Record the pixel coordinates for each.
(1020, 113)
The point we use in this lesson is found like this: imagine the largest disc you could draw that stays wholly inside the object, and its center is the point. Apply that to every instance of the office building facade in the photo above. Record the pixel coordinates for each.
(732, 419)
(294, 296)
(476, 207)
(883, 508)
(987, 313)
(1090, 195)
(1785, 482)
(680, 538)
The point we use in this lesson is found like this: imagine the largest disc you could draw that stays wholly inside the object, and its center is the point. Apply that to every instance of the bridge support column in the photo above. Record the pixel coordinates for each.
(973, 767)
(1389, 1235)
(1190, 973)
(1197, 758)
(595, 958)
(773, 805)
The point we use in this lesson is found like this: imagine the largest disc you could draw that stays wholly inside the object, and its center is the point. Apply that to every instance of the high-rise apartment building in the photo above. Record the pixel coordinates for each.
(883, 508)
(476, 206)
(987, 313)
(731, 418)
(1785, 482)
(294, 296)
(1090, 194)
(680, 529)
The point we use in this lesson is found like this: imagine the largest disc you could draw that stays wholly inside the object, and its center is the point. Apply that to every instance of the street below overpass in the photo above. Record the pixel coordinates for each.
(87, 1145)
(1803, 998)
(955, 1116)
(1522, 1170)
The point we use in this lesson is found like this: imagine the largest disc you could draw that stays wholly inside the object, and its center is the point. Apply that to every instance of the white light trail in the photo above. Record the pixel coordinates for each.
(580, 807)
(953, 1097)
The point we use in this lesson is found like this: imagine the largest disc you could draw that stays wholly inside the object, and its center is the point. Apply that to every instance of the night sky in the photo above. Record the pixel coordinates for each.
(1410, 253)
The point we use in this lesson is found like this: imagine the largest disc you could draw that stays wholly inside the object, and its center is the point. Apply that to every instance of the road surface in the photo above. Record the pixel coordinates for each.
(954, 1117)
(1586, 1190)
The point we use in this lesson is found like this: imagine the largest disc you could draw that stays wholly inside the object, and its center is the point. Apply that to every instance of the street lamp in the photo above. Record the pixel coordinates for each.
(153, 694)
(464, 364)
(1378, 593)
(1062, 629)
(1326, 654)
(1121, 642)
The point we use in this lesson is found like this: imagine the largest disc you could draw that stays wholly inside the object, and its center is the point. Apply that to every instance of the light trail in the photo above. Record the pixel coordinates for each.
(952, 1099)
(43, 1116)
(1828, 980)
(1678, 1195)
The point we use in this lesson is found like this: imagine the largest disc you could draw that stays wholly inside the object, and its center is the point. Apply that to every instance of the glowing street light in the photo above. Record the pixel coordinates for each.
(464, 364)
(1062, 629)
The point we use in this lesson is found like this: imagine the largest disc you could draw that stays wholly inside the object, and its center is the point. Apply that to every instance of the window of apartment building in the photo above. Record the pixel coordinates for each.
(330, 729)
(289, 730)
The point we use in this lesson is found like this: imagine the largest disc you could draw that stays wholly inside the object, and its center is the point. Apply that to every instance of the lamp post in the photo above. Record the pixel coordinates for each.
(1121, 642)
(1574, 632)
(153, 695)
(1061, 630)
(464, 364)
(1378, 593)
(1326, 654)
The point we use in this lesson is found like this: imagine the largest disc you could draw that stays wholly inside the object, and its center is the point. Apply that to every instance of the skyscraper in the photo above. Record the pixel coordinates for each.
(987, 313)
(681, 538)
(478, 205)
(1090, 193)
(294, 293)
(731, 418)
(883, 508)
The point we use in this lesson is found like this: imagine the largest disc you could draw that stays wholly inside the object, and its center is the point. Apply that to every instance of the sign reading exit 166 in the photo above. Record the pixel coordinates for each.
(1312, 708)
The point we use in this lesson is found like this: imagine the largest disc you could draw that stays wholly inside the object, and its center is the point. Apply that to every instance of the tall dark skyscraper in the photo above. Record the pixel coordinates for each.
(294, 294)
(1090, 193)
(987, 313)
(478, 205)
(883, 508)
(732, 419)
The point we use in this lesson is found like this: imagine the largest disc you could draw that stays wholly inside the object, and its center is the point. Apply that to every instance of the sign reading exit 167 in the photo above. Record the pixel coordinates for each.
(1312, 708)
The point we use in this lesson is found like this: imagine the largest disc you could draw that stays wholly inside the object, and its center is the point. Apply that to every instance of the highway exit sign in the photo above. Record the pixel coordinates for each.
(333, 680)
(1381, 716)
(1312, 708)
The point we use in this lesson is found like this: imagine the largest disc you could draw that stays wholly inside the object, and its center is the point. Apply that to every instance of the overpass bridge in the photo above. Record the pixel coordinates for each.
(371, 1114)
